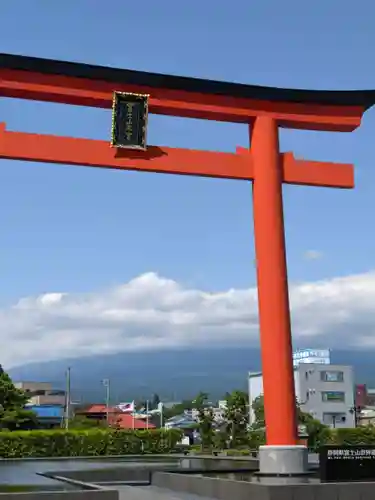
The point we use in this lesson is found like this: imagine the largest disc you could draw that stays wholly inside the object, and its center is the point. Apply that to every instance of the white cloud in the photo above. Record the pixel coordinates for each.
(312, 255)
(151, 312)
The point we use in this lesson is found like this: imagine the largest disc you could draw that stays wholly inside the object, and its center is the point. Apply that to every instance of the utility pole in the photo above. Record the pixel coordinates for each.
(107, 385)
(161, 410)
(250, 414)
(334, 421)
(147, 416)
(356, 411)
(67, 398)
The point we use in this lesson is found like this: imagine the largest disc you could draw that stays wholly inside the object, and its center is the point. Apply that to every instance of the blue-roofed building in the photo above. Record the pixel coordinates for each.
(48, 416)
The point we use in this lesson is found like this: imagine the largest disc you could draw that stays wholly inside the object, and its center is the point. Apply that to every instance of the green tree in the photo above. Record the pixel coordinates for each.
(236, 415)
(155, 402)
(200, 401)
(13, 415)
(221, 438)
(205, 420)
(258, 409)
(317, 432)
(141, 403)
(155, 419)
(177, 409)
(80, 422)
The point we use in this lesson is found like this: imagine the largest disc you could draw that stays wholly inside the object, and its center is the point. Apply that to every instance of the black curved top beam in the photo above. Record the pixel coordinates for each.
(362, 98)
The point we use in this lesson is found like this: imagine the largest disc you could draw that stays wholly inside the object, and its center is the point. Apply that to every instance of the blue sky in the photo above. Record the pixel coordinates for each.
(79, 229)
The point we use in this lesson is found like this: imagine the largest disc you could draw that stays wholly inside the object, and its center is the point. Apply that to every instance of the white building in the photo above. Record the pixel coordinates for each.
(322, 389)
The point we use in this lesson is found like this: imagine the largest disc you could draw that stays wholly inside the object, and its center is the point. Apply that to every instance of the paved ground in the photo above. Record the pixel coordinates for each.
(154, 493)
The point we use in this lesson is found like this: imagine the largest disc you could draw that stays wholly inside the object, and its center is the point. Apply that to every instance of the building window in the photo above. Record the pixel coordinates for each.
(332, 376)
(333, 396)
(334, 418)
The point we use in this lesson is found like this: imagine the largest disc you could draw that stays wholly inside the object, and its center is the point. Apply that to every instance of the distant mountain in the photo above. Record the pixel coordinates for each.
(174, 375)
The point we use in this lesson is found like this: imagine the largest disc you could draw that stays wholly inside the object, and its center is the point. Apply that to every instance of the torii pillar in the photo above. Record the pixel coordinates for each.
(282, 452)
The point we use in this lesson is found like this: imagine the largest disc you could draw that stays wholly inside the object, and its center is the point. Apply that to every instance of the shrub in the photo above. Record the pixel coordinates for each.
(357, 436)
(90, 442)
(326, 435)
(257, 438)
(238, 453)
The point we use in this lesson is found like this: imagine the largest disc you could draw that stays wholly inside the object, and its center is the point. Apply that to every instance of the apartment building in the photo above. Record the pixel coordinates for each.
(323, 390)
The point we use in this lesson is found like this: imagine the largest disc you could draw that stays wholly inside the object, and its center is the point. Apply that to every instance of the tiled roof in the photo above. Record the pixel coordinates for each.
(117, 417)
(125, 421)
(101, 408)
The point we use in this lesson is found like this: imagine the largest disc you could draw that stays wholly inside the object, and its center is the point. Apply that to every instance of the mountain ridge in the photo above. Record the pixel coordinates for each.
(173, 374)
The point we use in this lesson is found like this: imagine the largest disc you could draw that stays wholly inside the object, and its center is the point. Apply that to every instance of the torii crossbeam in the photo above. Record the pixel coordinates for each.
(264, 110)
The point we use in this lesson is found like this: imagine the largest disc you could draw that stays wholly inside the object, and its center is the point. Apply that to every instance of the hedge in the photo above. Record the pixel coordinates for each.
(92, 442)
(359, 435)
(326, 435)
(100, 442)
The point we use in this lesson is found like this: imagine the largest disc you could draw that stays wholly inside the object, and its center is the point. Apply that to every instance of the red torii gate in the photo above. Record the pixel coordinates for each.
(264, 109)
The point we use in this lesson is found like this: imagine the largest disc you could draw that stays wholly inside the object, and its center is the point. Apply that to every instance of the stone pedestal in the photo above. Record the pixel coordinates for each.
(283, 460)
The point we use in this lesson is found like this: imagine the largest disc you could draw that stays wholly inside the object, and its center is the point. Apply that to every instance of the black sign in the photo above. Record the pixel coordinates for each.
(129, 120)
(347, 463)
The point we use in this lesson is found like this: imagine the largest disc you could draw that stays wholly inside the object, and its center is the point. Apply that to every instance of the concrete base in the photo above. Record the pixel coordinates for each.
(283, 460)
(264, 488)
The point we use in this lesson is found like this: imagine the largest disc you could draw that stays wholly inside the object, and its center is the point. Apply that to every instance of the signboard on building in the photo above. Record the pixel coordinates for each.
(318, 356)
(347, 463)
